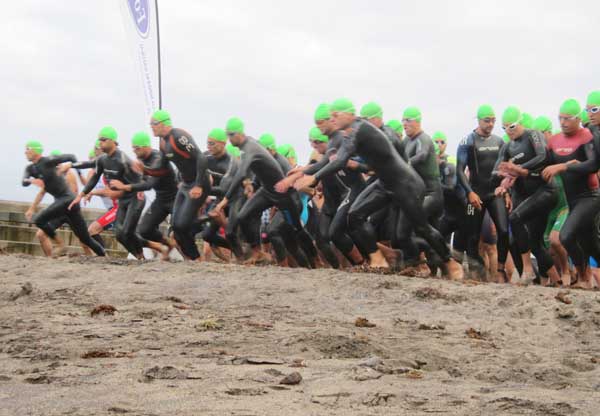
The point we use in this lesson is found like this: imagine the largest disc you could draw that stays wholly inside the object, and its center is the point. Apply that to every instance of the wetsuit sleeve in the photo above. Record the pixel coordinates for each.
(240, 175)
(26, 176)
(462, 161)
(588, 166)
(57, 160)
(98, 171)
(315, 167)
(423, 154)
(449, 182)
(89, 164)
(343, 155)
(502, 157)
(539, 146)
(201, 168)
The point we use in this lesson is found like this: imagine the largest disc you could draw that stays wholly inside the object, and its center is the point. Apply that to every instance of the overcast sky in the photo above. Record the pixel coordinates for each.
(67, 70)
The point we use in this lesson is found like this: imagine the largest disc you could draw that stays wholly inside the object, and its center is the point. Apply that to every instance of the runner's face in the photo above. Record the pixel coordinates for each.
(320, 147)
(376, 121)
(30, 154)
(513, 130)
(569, 124)
(215, 147)
(411, 126)
(442, 145)
(235, 138)
(594, 117)
(107, 145)
(159, 130)
(486, 125)
(326, 126)
(342, 120)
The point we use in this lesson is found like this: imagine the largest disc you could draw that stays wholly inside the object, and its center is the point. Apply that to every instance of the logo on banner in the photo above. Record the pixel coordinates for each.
(141, 15)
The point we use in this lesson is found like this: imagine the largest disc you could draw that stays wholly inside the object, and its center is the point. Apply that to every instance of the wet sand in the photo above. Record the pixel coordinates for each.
(214, 339)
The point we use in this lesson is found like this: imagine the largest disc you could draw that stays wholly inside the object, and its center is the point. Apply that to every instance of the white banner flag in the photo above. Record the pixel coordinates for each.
(141, 28)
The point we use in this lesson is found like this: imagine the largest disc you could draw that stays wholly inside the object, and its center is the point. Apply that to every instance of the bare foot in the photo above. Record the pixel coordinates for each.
(583, 284)
(501, 276)
(454, 270)
(378, 261)
(257, 257)
(391, 256)
(423, 270)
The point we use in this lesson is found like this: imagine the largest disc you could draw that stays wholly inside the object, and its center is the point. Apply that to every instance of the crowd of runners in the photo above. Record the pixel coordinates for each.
(375, 195)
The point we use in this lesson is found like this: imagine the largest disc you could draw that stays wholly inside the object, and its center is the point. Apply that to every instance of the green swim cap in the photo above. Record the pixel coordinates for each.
(506, 138)
(218, 135)
(316, 135)
(267, 141)
(162, 116)
(485, 111)
(141, 139)
(593, 98)
(35, 146)
(451, 159)
(323, 112)
(92, 154)
(396, 125)
(412, 113)
(55, 153)
(371, 110)
(585, 118)
(511, 115)
(286, 150)
(543, 124)
(570, 107)
(436, 147)
(97, 144)
(109, 133)
(234, 125)
(527, 120)
(438, 135)
(343, 105)
(232, 150)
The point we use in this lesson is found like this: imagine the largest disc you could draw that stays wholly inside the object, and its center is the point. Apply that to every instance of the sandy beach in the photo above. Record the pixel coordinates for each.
(82, 336)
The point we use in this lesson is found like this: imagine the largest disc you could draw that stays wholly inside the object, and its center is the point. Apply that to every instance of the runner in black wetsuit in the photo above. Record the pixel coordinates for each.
(180, 148)
(219, 163)
(43, 169)
(402, 187)
(114, 164)
(421, 156)
(593, 112)
(268, 172)
(279, 231)
(319, 143)
(340, 162)
(158, 175)
(382, 217)
(573, 156)
(520, 163)
(455, 200)
(478, 152)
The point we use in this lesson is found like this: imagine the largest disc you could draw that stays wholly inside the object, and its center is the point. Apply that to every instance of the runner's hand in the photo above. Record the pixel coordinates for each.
(116, 185)
(75, 201)
(29, 214)
(195, 192)
(475, 200)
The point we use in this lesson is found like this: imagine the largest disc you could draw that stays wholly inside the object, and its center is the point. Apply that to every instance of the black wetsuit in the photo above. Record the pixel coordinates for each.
(577, 234)
(180, 148)
(268, 172)
(217, 168)
(455, 203)
(160, 176)
(130, 206)
(334, 191)
(55, 185)
(480, 154)
(532, 197)
(402, 186)
(334, 164)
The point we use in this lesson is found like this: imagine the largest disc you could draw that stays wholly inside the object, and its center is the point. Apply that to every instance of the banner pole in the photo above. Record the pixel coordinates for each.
(158, 48)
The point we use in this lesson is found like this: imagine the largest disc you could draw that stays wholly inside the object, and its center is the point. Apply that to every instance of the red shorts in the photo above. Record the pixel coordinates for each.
(108, 218)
